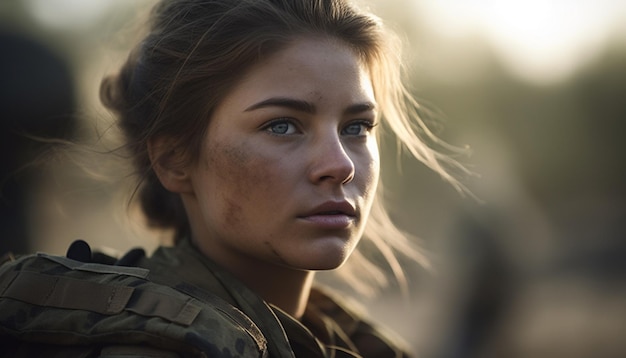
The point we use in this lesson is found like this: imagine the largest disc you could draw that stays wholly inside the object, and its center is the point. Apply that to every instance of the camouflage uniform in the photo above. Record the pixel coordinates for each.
(177, 303)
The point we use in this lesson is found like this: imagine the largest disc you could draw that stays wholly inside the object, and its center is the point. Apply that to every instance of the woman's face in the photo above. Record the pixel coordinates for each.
(290, 162)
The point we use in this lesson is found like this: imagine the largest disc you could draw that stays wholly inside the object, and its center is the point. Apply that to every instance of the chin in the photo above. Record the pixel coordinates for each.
(326, 266)
(328, 258)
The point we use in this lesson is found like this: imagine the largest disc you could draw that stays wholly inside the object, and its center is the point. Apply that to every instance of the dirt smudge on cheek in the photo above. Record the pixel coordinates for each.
(240, 174)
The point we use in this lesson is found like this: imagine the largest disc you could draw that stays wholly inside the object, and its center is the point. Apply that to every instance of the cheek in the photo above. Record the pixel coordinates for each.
(241, 175)
(371, 166)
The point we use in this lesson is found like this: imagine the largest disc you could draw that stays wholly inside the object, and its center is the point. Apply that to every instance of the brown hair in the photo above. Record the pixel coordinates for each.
(196, 51)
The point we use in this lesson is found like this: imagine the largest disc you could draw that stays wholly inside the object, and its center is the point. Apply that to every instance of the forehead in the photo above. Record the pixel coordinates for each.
(309, 65)
(314, 49)
(314, 52)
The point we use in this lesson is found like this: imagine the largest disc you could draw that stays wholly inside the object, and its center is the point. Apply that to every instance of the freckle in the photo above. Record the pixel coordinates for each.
(318, 95)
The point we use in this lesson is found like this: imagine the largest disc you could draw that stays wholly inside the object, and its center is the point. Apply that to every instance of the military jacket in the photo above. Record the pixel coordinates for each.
(164, 305)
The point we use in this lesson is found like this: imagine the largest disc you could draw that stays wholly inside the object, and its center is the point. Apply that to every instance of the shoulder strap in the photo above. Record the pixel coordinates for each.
(58, 301)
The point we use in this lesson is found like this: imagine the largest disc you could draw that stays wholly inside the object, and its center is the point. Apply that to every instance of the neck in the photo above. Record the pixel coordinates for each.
(285, 288)
(289, 291)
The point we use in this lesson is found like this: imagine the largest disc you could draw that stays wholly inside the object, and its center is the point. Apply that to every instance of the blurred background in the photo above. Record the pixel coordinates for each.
(536, 88)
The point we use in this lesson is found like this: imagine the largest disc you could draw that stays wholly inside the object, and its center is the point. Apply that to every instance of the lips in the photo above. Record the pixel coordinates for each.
(331, 215)
(334, 208)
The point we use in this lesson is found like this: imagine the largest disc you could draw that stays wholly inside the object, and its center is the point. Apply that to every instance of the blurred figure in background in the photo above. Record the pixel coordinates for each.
(37, 101)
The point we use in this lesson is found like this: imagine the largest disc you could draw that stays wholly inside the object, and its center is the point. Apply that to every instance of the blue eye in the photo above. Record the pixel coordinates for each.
(358, 128)
(281, 127)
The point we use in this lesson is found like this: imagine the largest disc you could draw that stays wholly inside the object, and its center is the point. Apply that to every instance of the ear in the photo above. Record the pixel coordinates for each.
(169, 166)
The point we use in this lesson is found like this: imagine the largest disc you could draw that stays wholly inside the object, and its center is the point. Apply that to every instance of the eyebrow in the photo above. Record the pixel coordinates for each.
(306, 107)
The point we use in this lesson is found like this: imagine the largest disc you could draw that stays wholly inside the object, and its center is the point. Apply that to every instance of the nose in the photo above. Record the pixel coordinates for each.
(331, 163)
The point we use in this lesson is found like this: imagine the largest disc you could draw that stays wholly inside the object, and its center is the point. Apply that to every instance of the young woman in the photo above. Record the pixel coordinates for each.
(254, 129)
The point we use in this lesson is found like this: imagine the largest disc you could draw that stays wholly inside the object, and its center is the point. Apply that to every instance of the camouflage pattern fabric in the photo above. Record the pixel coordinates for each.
(53, 306)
